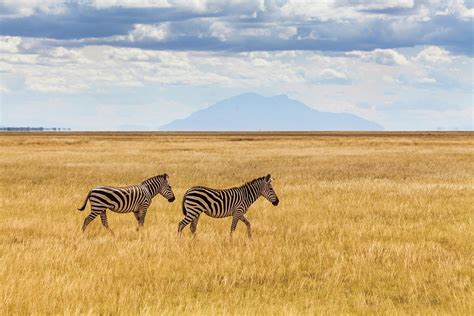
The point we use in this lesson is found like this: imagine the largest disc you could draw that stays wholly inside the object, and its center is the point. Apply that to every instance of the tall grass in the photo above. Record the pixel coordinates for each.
(366, 224)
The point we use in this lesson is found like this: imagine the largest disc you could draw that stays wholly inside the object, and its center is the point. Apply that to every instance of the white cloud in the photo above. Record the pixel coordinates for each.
(103, 67)
(199, 6)
(433, 55)
(426, 80)
(225, 31)
(101, 4)
(10, 44)
(71, 70)
(390, 80)
(386, 4)
(222, 30)
(297, 9)
(8, 62)
(457, 8)
(338, 10)
(287, 32)
(329, 74)
(139, 33)
(318, 74)
(22, 8)
(149, 32)
(321, 10)
(381, 56)
(3, 88)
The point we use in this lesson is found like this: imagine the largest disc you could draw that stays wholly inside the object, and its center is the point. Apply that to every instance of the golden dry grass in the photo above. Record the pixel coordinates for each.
(367, 223)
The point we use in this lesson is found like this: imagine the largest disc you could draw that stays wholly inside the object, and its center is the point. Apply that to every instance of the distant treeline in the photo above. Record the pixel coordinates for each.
(34, 129)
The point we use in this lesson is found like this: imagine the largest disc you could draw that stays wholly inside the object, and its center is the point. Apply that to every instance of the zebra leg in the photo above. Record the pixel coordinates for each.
(90, 218)
(141, 217)
(247, 223)
(137, 217)
(235, 220)
(190, 218)
(183, 224)
(103, 218)
(194, 225)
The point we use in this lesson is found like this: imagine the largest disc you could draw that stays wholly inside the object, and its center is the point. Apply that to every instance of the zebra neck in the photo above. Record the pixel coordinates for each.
(252, 191)
(152, 187)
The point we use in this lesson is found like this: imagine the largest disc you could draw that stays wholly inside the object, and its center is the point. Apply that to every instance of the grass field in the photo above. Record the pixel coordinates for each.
(367, 223)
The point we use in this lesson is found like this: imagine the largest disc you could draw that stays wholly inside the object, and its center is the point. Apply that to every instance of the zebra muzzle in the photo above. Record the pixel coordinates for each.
(172, 199)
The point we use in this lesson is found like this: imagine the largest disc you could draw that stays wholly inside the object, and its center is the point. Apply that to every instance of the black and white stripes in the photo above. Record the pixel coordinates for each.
(214, 202)
(223, 203)
(134, 198)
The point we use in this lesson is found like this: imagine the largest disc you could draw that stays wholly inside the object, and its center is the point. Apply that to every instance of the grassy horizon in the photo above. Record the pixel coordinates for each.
(367, 223)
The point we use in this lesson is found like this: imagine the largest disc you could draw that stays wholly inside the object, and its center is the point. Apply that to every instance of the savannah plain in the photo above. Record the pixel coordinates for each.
(368, 223)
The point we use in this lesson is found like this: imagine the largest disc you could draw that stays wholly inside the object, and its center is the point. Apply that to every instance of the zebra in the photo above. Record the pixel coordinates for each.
(223, 203)
(134, 198)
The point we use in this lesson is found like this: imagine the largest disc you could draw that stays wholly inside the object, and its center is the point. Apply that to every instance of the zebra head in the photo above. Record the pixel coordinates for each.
(268, 192)
(165, 188)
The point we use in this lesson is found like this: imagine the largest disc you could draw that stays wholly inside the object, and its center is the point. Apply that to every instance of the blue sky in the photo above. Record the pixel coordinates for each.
(118, 64)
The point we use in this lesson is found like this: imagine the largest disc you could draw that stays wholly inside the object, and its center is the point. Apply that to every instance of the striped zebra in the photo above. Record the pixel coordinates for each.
(134, 198)
(223, 203)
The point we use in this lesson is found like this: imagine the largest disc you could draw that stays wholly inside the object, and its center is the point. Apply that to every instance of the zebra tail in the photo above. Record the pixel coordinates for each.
(85, 202)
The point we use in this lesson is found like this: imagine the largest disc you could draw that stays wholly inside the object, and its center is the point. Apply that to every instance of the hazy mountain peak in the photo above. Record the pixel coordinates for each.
(244, 98)
(281, 96)
(254, 112)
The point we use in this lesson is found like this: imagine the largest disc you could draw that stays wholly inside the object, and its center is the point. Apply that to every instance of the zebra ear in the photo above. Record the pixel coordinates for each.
(268, 178)
(166, 176)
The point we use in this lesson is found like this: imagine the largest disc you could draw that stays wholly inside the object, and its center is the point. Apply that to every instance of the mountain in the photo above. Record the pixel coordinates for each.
(253, 112)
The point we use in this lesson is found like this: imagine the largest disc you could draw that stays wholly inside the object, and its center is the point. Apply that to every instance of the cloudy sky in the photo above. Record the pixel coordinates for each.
(123, 64)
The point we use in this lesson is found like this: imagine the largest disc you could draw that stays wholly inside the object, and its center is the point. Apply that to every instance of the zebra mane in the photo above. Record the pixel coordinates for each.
(247, 183)
(254, 180)
(152, 178)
